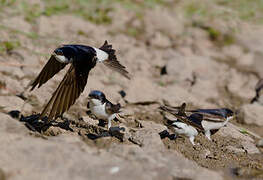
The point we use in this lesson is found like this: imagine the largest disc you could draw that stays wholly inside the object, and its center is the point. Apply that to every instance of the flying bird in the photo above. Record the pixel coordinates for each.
(101, 107)
(82, 59)
(204, 120)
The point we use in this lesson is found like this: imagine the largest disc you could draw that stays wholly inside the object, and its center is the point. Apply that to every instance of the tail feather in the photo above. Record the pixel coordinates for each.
(112, 61)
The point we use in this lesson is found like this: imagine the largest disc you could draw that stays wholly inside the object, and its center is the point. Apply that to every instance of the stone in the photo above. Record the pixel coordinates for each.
(10, 103)
(260, 143)
(160, 41)
(252, 114)
(246, 142)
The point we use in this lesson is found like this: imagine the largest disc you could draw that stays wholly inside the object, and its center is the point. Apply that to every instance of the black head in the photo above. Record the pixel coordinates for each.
(67, 51)
(227, 112)
(97, 95)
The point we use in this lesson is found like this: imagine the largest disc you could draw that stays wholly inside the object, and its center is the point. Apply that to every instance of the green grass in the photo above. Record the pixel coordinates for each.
(96, 11)
(6, 2)
(247, 10)
(243, 131)
(7, 46)
(251, 10)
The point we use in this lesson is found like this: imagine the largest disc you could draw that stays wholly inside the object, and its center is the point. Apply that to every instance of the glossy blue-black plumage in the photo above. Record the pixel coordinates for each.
(223, 112)
(83, 56)
(97, 95)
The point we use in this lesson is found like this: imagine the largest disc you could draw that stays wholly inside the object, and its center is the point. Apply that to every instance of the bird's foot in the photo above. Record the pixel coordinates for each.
(208, 135)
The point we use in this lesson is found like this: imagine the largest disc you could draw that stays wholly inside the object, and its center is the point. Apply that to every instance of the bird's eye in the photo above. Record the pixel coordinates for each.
(58, 52)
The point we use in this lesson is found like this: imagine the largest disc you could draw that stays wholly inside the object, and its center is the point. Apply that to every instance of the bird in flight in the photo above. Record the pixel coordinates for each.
(82, 59)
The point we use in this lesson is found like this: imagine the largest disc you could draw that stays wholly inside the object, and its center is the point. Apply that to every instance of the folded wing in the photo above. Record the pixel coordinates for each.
(111, 108)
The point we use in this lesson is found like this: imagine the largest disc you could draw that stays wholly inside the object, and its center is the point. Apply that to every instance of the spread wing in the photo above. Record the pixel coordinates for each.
(51, 68)
(112, 61)
(66, 94)
(111, 108)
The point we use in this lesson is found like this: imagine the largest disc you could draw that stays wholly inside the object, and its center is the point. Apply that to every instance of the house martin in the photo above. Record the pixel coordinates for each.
(101, 107)
(179, 126)
(204, 120)
(82, 59)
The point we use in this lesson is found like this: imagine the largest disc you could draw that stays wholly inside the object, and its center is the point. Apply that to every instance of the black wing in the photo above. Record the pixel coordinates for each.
(111, 108)
(51, 68)
(66, 94)
(183, 118)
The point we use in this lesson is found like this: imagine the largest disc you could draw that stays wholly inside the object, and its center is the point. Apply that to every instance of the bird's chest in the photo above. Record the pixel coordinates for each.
(185, 129)
(99, 111)
(212, 125)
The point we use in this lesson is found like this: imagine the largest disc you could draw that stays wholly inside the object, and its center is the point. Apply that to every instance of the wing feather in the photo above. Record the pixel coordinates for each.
(51, 68)
(66, 94)
(112, 61)
(111, 108)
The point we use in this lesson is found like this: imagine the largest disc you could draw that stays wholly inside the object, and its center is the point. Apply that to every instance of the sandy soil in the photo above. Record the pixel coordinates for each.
(173, 53)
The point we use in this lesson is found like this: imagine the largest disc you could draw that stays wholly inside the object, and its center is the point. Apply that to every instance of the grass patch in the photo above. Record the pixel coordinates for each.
(31, 11)
(7, 46)
(96, 11)
(247, 10)
(243, 131)
(250, 10)
(7, 2)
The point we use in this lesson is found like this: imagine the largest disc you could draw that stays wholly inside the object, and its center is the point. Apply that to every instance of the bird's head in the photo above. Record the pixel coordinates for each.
(97, 97)
(64, 54)
(229, 114)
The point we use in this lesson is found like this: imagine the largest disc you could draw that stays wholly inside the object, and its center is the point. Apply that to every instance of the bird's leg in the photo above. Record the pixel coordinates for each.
(109, 123)
(101, 123)
(192, 138)
(208, 134)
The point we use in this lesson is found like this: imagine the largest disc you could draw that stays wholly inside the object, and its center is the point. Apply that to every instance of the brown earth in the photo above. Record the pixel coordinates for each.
(173, 53)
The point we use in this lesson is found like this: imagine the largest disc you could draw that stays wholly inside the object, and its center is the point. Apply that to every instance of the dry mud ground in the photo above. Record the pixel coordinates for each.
(175, 51)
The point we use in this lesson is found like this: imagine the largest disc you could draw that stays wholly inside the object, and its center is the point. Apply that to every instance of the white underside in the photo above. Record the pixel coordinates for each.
(208, 125)
(101, 55)
(62, 59)
(185, 130)
(98, 110)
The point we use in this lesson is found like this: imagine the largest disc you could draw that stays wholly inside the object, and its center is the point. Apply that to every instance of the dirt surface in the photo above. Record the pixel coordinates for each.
(207, 54)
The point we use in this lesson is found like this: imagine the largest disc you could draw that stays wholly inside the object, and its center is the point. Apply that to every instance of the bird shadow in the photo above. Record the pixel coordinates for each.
(34, 123)
(112, 132)
(165, 134)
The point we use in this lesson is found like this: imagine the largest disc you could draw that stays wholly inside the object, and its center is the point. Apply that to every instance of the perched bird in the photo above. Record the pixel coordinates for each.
(204, 120)
(259, 92)
(183, 129)
(81, 59)
(101, 107)
(179, 127)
